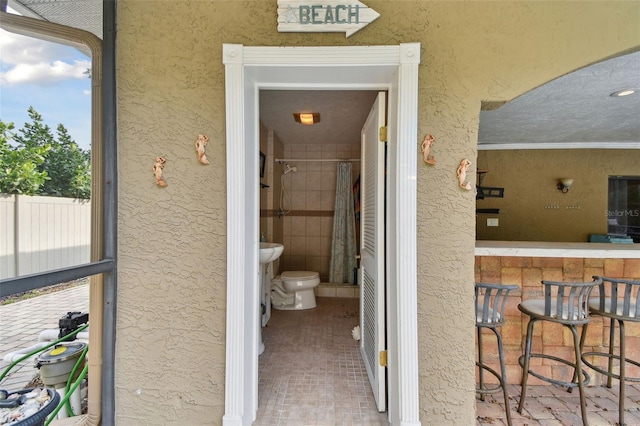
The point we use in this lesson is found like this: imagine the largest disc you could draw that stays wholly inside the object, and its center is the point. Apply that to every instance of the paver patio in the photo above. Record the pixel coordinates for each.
(22, 322)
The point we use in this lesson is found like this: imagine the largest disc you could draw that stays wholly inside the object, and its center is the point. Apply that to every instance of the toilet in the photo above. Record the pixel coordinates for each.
(293, 290)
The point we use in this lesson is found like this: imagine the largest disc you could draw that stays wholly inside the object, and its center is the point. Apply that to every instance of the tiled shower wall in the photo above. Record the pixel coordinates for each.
(308, 227)
(272, 148)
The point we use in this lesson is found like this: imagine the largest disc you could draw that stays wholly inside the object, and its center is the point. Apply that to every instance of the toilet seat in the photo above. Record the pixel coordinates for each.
(299, 275)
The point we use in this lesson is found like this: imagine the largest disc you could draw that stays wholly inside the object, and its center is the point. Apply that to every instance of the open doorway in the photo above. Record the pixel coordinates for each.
(312, 368)
(250, 69)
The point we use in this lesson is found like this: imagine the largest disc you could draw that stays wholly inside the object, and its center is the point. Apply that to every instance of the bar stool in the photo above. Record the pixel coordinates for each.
(490, 303)
(564, 303)
(619, 301)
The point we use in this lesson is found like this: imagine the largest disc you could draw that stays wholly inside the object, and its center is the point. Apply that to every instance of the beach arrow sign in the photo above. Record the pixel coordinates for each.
(322, 16)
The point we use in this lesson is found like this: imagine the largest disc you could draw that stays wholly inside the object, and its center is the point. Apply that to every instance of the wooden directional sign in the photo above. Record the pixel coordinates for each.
(320, 16)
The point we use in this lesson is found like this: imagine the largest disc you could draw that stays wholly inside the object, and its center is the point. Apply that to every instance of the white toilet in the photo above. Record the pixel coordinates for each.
(293, 290)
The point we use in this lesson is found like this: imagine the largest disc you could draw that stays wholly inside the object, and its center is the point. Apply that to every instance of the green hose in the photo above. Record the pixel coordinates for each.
(32, 353)
(67, 388)
(65, 400)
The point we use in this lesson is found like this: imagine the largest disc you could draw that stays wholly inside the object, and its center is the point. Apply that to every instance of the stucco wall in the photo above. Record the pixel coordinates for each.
(172, 241)
(533, 209)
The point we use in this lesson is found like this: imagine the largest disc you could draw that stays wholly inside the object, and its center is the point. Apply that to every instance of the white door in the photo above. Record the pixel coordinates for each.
(372, 251)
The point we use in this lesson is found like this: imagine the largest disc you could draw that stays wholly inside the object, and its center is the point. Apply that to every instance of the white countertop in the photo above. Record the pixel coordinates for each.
(550, 249)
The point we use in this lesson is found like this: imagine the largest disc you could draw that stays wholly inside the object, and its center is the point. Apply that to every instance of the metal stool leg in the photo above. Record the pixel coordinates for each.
(480, 370)
(612, 341)
(578, 372)
(525, 367)
(503, 379)
(502, 376)
(623, 360)
(583, 336)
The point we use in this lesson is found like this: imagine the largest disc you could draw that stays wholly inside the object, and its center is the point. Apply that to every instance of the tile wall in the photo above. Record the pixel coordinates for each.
(271, 146)
(307, 228)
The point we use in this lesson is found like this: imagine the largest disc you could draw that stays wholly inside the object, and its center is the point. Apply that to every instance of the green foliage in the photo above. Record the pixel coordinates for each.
(40, 164)
(68, 168)
(19, 173)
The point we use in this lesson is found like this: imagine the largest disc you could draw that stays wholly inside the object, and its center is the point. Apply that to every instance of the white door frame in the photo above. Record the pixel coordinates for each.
(249, 69)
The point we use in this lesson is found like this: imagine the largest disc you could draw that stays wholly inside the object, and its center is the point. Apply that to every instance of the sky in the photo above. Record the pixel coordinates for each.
(49, 77)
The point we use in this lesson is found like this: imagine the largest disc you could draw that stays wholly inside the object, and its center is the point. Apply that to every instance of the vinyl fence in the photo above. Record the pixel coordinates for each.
(42, 233)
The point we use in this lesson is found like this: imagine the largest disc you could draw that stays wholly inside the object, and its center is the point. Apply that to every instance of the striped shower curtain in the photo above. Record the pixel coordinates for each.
(343, 246)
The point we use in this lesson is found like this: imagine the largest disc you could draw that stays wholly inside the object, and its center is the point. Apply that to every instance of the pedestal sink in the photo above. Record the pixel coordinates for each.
(268, 253)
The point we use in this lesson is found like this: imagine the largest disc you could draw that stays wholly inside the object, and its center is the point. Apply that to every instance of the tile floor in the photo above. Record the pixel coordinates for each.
(311, 372)
(554, 406)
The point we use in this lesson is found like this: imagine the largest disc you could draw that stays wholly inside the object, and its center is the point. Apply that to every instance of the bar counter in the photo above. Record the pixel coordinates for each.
(527, 263)
(545, 249)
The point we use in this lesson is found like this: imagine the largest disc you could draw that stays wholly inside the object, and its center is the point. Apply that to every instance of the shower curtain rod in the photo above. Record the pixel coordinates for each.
(286, 160)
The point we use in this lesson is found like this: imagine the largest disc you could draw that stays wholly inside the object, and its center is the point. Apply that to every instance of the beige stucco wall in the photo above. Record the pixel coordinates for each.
(172, 241)
(533, 209)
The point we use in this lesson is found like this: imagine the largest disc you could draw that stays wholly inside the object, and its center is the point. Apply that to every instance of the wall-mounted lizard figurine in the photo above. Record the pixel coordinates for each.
(157, 171)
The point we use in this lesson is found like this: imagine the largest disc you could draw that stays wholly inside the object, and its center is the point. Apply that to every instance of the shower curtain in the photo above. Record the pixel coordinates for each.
(343, 246)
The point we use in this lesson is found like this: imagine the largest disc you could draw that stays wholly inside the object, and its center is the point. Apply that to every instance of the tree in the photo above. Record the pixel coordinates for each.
(41, 164)
(68, 168)
(19, 173)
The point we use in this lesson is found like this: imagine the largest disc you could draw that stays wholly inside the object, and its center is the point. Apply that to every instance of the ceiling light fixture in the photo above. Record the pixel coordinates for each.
(307, 118)
(624, 92)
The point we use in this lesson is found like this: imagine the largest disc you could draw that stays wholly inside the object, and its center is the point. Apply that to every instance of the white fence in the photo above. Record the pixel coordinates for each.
(42, 233)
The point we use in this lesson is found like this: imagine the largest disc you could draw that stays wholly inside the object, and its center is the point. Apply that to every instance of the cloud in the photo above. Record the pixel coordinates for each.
(48, 77)
(45, 73)
(26, 60)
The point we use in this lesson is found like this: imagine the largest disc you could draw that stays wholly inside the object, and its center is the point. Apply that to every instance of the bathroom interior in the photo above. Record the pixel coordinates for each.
(298, 179)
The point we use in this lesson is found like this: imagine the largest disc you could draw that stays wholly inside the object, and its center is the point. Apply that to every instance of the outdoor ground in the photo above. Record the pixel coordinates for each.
(34, 293)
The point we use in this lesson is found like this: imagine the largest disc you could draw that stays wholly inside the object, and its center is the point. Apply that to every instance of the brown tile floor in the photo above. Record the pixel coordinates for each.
(311, 372)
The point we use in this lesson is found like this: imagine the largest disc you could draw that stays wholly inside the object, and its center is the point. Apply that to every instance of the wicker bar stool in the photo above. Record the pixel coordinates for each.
(564, 303)
(490, 303)
(619, 301)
